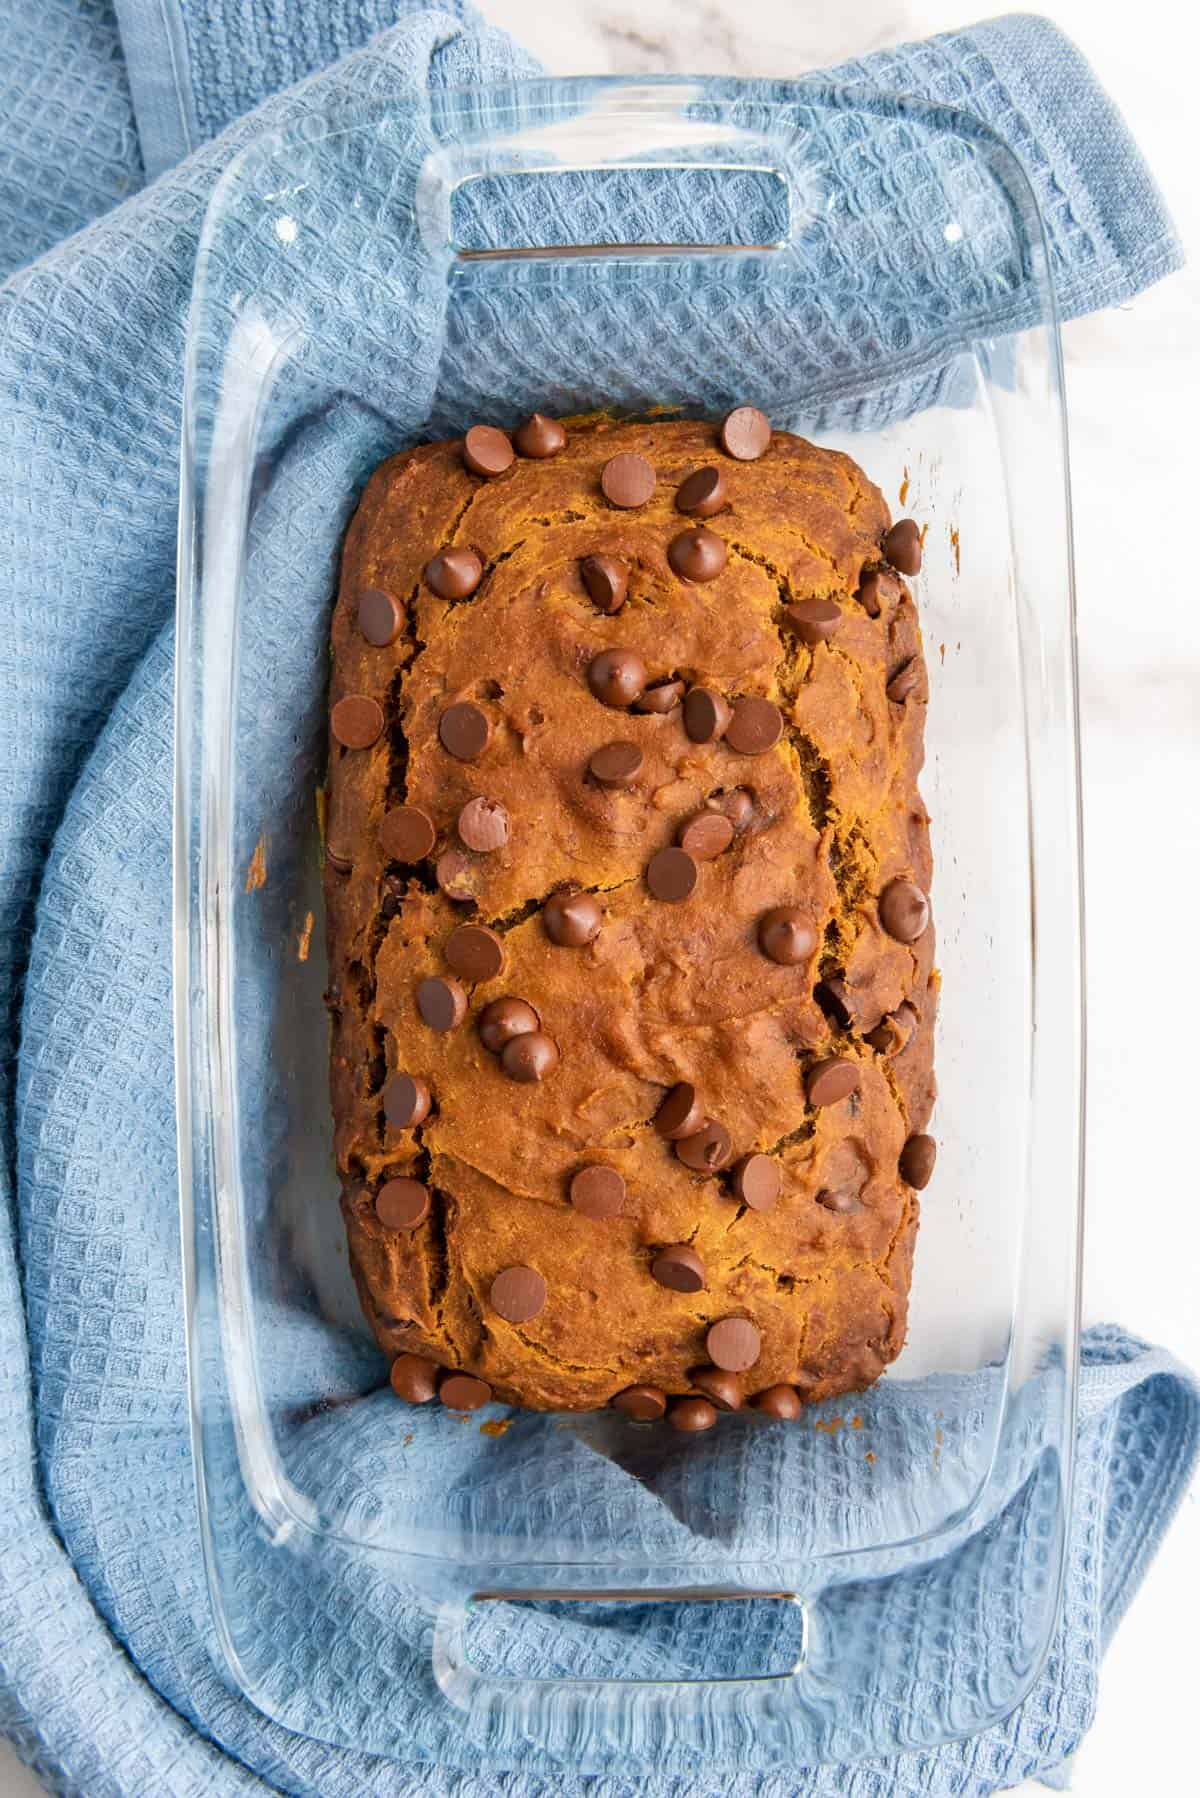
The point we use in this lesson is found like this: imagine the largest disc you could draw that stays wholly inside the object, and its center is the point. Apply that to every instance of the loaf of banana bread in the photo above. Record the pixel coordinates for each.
(629, 937)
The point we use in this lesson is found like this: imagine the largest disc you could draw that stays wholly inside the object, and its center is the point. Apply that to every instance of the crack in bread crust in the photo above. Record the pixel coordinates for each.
(665, 992)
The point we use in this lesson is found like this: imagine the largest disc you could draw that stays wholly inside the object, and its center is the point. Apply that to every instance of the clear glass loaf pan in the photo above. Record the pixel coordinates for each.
(372, 280)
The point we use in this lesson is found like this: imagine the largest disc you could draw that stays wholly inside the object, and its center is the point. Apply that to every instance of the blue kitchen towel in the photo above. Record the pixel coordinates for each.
(107, 1681)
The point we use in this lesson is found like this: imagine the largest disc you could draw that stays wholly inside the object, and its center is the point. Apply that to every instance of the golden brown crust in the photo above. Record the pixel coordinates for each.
(666, 992)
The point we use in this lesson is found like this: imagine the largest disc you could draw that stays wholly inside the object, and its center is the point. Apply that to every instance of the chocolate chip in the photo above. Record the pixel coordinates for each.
(705, 835)
(406, 833)
(833, 996)
(705, 715)
(779, 1402)
(454, 574)
(379, 616)
(483, 825)
(680, 1114)
(679, 1268)
(414, 1378)
(455, 874)
(664, 696)
(902, 546)
(391, 897)
(487, 451)
(786, 936)
(757, 1181)
(724, 1390)
(645, 1403)
(529, 1058)
(598, 1191)
(746, 433)
(838, 1200)
(903, 910)
(356, 721)
(338, 858)
(831, 1080)
(905, 681)
(571, 918)
(697, 555)
(615, 764)
(671, 875)
(402, 1204)
(503, 1019)
(893, 1035)
(606, 580)
(878, 590)
(474, 952)
(463, 1392)
(708, 1150)
(703, 493)
(755, 726)
(617, 676)
(916, 1162)
(691, 1415)
(406, 1101)
(464, 730)
(738, 807)
(539, 437)
(627, 481)
(517, 1294)
(441, 1003)
(812, 620)
(733, 1344)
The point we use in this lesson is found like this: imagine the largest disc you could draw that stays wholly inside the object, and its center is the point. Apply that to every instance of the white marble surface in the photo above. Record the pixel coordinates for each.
(1134, 392)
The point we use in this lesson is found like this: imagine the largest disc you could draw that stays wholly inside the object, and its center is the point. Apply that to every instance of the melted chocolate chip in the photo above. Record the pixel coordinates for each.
(442, 1003)
(703, 493)
(517, 1294)
(786, 936)
(679, 1268)
(755, 725)
(606, 581)
(746, 433)
(627, 481)
(356, 721)
(474, 952)
(540, 437)
(571, 918)
(406, 1101)
(414, 1379)
(644, 1403)
(598, 1191)
(902, 546)
(680, 1114)
(733, 1344)
(831, 1080)
(664, 696)
(697, 555)
(454, 573)
(905, 681)
(705, 835)
(503, 1019)
(708, 1150)
(464, 731)
(483, 825)
(671, 875)
(877, 590)
(617, 676)
(529, 1058)
(406, 834)
(379, 616)
(455, 874)
(917, 1159)
(812, 620)
(904, 910)
(487, 451)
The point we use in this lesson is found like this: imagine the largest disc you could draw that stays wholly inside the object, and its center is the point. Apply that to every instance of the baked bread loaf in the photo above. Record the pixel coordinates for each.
(631, 959)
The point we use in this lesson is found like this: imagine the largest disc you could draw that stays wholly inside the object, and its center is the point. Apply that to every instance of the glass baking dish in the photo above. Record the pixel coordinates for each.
(375, 279)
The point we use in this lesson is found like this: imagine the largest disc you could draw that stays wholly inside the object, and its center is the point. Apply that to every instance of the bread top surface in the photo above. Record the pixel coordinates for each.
(666, 992)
